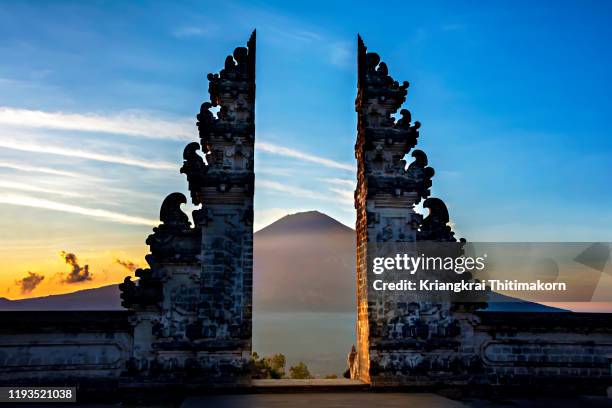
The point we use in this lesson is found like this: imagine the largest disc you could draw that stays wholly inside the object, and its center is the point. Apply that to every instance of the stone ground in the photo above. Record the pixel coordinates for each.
(343, 393)
(352, 399)
(560, 402)
(322, 400)
(386, 400)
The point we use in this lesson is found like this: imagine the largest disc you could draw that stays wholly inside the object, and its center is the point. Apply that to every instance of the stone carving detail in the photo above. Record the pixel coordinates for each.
(392, 333)
(421, 320)
(148, 292)
(192, 308)
(174, 241)
(227, 139)
(435, 226)
(419, 173)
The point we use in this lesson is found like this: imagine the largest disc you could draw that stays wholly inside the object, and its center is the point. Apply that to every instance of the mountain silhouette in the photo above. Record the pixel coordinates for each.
(102, 298)
(303, 262)
(305, 223)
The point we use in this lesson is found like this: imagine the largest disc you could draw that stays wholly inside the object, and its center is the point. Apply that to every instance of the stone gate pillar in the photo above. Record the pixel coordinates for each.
(193, 307)
(393, 331)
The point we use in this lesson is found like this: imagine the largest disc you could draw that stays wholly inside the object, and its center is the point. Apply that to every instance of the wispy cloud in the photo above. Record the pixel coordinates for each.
(83, 154)
(332, 49)
(289, 189)
(339, 196)
(301, 35)
(295, 35)
(273, 171)
(191, 31)
(339, 181)
(131, 123)
(134, 123)
(127, 264)
(279, 28)
(29, 187)
(81, 184)
(296, 154)
(138, 162)
(347, 195)
(28, 201)
(340, 54)
(37, 169)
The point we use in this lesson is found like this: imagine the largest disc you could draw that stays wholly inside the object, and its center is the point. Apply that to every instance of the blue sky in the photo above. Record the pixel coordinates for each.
(97, 100)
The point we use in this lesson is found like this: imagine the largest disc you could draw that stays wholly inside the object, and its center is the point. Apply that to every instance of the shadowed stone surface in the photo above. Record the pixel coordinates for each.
(323, 400)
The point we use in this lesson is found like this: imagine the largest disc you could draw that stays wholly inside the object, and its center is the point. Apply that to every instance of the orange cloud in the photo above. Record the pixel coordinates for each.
(129, 265)
(30, 282)
(78, 273)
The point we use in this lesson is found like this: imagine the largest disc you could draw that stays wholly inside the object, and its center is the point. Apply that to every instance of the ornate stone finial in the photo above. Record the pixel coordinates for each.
(240, 66)
(405, 121)
(171, 214)
(420, 158)
(437, 210)
(193, 164)
(420, 174)
(227, 138)
(205, 120)
(173, 240)
(435, 226)
(147, 293)
(128, 292)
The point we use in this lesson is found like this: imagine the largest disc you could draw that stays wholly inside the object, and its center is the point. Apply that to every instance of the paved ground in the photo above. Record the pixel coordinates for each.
(323, 400)
(343, 393)
(381, 400)
(559, 402)
(349, 399)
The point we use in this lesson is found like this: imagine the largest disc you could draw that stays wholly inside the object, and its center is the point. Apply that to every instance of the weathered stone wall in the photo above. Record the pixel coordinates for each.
(71, 348)
(540, 348)
(506, 350)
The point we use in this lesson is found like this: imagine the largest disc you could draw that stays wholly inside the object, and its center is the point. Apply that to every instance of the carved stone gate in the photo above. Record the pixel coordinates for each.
(193, 308)
(404, 342)
(189, 315)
